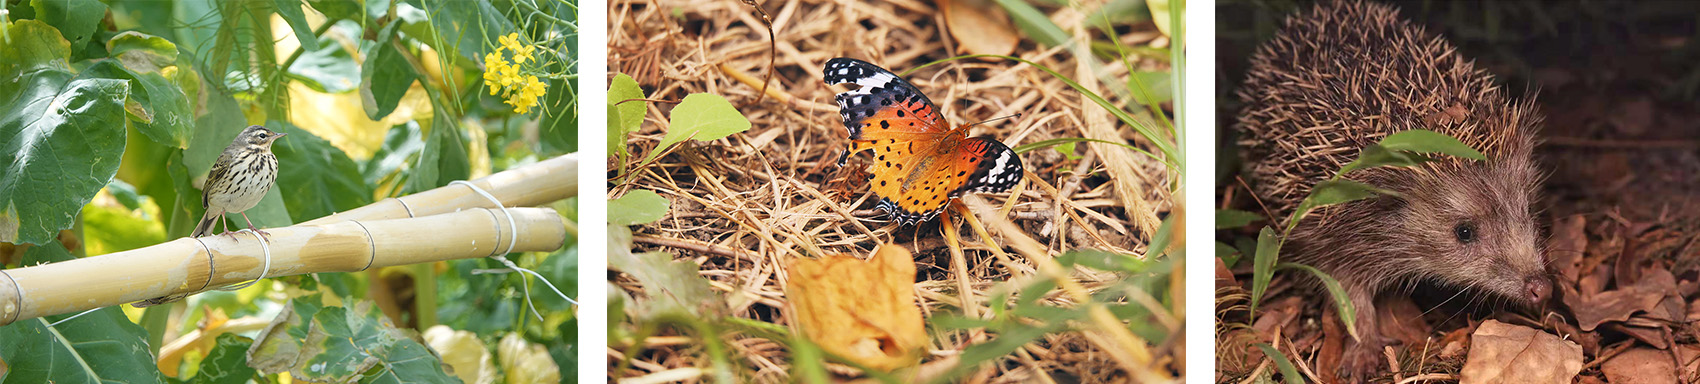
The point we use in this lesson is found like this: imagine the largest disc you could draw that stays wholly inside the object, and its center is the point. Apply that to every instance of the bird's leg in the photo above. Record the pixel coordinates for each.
(224, 226)
(251, 225)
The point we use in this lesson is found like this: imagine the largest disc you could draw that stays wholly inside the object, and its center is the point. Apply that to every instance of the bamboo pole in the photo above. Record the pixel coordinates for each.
(190, 265)
(540, 183)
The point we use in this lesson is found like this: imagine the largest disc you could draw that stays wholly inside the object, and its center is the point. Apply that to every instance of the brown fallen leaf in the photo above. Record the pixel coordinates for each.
(1513, 354)
(1640, 366)
(981, 27)
(1618, 305)
(859, 310)
(1569, 240)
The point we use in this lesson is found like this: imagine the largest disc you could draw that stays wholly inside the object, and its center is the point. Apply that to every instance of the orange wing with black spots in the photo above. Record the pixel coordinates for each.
(920, 162)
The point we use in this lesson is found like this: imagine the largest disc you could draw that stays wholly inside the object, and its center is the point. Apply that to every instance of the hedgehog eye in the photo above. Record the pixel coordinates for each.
(1466, 232)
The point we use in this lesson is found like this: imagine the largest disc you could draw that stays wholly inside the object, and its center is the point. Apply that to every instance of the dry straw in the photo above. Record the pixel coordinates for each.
(452, 222)
(744, 205)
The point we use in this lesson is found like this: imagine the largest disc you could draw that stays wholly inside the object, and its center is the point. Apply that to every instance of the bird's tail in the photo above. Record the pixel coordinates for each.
(205, 227)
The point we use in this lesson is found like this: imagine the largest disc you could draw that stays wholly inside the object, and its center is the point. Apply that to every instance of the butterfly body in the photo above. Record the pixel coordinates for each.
(920, 162)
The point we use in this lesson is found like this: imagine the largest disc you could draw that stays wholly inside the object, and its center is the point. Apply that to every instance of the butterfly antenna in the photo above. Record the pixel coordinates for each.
(1017, 115)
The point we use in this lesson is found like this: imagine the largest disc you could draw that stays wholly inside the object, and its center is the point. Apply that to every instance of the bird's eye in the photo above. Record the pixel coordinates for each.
(1466, 232)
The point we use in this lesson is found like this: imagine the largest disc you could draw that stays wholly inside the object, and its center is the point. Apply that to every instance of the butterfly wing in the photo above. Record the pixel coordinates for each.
(961, 165)
(919, 162)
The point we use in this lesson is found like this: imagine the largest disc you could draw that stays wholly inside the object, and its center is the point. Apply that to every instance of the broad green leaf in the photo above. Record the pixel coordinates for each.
(315, 178)
(561, 268)
(444, 158)
(337, 344)
(1263, 264)
(385, 76)
(1153, 83)
(156, 105)
(640, 206)
(1033, 23)
(1425, 141)
(673, 287)
(402, 145)
(113, 228)
(703, 117)
(1342, 302)
(214, 131)
(1330, 192)
(558, 128)
(290, 11)
(623, 88)
(1288, 373)
(60, 137)
(350, 9)
(1229, 255)
(227, 363)
(76, 19)
(331, 68)
(102, 346)
(1233, 218)
(142, 52)
(465, 27)
(616, 143)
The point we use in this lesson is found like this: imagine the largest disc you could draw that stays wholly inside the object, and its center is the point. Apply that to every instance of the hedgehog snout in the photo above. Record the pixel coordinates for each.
(1536, 290)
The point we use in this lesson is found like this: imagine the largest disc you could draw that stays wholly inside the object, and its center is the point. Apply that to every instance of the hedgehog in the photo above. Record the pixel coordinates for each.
(1343, 76)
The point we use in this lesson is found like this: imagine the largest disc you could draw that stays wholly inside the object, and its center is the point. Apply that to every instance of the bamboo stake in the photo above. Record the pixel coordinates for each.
(191, 265)
(535, 184)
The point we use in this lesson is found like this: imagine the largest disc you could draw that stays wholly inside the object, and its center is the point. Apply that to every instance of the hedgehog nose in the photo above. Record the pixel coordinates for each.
(1538, 289)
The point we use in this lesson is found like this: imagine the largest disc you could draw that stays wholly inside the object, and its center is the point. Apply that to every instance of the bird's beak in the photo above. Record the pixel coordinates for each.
(280, 135)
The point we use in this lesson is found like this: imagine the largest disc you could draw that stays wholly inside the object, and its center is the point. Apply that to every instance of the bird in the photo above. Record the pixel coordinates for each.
(239, 179)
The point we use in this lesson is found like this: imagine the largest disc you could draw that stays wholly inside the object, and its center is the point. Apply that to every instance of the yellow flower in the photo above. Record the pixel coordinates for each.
(494, 67)
(511, 41)
(522, 54)
(528, 95)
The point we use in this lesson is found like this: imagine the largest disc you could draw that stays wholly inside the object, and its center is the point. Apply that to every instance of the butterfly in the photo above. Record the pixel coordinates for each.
(920, 162)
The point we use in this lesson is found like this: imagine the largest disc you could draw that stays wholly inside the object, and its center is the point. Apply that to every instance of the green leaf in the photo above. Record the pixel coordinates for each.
(623, 88)
(1263, 264)
(101, 346)
(1378, 156)
(558, 129)
(703, 117)
(227, 363)
(1342, 302)
(142, 52)
(616, 142)
(291, 12)
(315, 178)
(444, 158)
(156, 105)
(1330, 192)
(1288, 373)
(76, 19)
(331, 68)
(108, 228)
(639, 206)
(1160, 240)
(673, 287)
(1229, 255)
(1151, 87)
(60, 137)
(1233, 218)
(402, 144)
(336, 344)
(385, 76)
(1034, 24)
(1425, 141)
(466, 26)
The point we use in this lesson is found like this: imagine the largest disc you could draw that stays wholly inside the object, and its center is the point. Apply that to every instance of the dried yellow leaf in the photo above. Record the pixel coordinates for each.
(860, 310)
